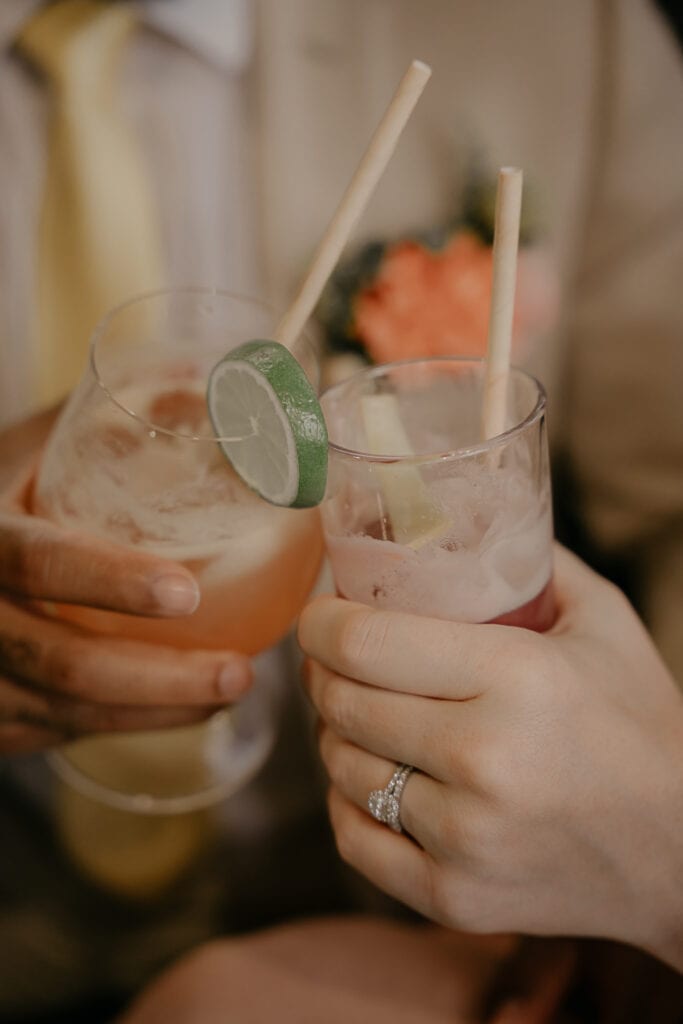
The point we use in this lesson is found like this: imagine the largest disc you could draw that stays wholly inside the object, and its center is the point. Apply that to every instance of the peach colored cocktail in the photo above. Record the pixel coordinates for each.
(134, 458)
(180, 499)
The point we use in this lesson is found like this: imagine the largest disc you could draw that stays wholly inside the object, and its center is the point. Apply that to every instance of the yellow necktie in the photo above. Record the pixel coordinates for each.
(98, 242)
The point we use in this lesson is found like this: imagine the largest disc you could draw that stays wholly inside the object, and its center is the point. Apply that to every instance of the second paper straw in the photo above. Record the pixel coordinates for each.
(505, 247)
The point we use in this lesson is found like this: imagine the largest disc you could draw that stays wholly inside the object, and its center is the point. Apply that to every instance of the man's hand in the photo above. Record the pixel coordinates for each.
(59, 681)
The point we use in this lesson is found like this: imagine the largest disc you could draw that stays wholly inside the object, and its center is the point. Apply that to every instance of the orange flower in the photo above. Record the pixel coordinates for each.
(424, 302)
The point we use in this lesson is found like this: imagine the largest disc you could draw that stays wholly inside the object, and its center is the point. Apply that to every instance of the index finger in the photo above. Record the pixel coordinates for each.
(403, 652)
(40, 560)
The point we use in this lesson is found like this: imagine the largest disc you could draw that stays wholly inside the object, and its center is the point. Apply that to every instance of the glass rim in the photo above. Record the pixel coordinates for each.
(103, 324)
(253, 756)
(466, 451)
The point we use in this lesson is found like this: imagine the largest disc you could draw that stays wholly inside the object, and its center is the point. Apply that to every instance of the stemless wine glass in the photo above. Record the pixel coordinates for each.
(133, 458)
(420, 514)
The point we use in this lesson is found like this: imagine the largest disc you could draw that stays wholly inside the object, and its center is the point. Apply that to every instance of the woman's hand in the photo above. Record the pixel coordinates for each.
(549, 792)
(59, 681)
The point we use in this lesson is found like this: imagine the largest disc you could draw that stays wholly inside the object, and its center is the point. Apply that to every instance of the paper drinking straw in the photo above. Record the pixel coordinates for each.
(505, 245)
(354, 200)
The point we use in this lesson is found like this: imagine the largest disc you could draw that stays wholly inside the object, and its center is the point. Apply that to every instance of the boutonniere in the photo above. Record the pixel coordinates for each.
(427, 293)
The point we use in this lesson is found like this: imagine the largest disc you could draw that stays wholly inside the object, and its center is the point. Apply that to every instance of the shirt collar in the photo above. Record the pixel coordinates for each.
(221, 31)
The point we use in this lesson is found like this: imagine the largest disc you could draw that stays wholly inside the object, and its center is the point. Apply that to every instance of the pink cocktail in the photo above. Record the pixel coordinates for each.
(421, 515)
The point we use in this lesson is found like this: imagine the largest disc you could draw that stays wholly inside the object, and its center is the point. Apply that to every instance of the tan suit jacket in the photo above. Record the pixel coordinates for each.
(586, 96)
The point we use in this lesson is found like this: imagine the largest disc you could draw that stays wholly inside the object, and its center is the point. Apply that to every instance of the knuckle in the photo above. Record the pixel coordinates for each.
(494, 773)
(26, 560)
(481, 838)
(215, 692)
(450, 899)
(338, 765)
(21, 706)
(491, 772)
(19, 655)
(15, 555)
(454, 756)
(469, 832)
(448, 831)
(65, 668)
(363, 638)
(337, 705)
(77, 718)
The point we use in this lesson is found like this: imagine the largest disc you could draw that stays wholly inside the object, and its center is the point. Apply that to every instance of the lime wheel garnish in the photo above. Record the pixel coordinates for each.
(269, 423)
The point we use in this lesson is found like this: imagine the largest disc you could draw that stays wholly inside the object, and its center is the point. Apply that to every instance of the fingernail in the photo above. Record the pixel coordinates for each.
(232, 679)
(176, 594)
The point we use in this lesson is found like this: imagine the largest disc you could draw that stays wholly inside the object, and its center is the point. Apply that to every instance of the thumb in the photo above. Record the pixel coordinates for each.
(40, 560)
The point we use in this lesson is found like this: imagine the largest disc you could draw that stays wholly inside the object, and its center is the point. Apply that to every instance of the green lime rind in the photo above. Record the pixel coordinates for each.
(301, 409)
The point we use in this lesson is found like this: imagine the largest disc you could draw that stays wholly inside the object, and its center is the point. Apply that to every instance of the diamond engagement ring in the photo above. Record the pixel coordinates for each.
(385, 804)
